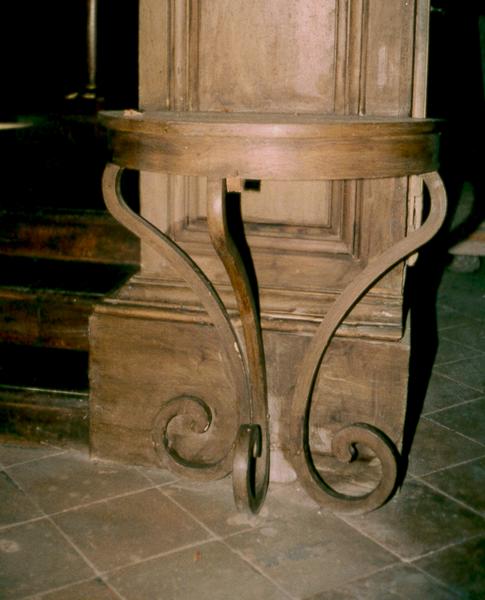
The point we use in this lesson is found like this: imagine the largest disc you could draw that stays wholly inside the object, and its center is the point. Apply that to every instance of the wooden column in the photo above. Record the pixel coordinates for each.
(152, 341)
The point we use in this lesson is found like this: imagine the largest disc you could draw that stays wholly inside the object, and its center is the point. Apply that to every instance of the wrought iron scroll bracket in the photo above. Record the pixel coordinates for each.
(250, 473)
(194, 413)
(345, 440)
(249, 454)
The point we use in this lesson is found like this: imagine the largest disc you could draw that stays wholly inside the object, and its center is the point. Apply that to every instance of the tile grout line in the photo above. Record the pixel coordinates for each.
(257, 568)
(40, 595)
(108, 573)
(77, 506)
(393, 552)
(470, 439)
(461, 344)
(471, 387)
(153, 486)
(445, 328)
(68, 540)
(460, 502)
(141, 470)
(215, 536)
(474, 353)
(33, 460)
(450, 466)
(460, 383)
(369, 537)
(376, 572)
(85, 558)
(445, 363)
(411, 561)
(442, 584)
(220, 539)
(456, 405)
(26, 522)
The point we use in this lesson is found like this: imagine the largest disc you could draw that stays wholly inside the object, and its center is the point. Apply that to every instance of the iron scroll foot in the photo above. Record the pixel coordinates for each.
(250, 473)
(249, 454)
(345, 441)
(189, 414)
(274, 147)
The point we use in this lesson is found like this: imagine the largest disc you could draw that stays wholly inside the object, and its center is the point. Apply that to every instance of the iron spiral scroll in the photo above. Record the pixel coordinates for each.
(247, 456)
(346, 439)
(251, 465)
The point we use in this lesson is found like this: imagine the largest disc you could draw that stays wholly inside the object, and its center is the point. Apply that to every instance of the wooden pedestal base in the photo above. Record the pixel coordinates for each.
(225, 426)
(141, 357)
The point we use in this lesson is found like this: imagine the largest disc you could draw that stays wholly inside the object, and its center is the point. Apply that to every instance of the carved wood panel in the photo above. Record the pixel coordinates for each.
(337, 56)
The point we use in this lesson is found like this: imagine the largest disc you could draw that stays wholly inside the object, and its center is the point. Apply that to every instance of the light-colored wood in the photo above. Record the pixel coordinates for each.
(337, 33)
(184, 357)
(89, 237)
(174, 365)
(251, 476)
(251, 466)
(359, 58)
(366, 434)
(200, 415)
(268, 146)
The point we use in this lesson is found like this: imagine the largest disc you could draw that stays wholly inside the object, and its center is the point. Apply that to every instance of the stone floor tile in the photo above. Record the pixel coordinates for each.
(35, 557)
(466, 304)
(158, 476)
(435, 447)
(311, 552)
(449, 350)
(206, 572)
(397, 582)
(443, 392)
(471, 335)
(468, 419)
(417, 521)
(470, 371)
(285, 500)
(11, 454)
(464, 292)
(460, 567)
(450, 318)
(128, 529)
(464, 482)
(60, 482)
(95, 589)
(15, 506)
(213, 504)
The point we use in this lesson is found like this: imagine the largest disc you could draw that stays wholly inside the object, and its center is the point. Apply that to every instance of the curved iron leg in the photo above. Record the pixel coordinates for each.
(344, 440)
(251, 460)
(196, 414)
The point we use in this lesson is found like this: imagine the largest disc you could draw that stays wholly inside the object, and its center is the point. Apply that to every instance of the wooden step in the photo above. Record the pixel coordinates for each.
(56, 416)
(89, 236)
(48, 303)
(43, 368)
(44, 393)
(60, 253)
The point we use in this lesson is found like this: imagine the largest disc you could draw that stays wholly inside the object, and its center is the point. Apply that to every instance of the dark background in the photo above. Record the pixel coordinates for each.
(43, 53)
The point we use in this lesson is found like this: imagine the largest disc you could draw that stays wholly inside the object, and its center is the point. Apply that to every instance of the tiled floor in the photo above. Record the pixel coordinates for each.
(73, 529)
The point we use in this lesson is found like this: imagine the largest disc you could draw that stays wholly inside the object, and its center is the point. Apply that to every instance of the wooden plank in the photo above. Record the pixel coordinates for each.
(55, 320)
(48, 302)
(86, 236)
(44, 415)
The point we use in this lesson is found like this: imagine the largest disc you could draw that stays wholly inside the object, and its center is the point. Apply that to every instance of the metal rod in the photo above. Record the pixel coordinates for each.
(92, 30)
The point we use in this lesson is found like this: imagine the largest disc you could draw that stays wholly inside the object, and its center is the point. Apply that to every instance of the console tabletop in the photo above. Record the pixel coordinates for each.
(229, 147)
(272, 146)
